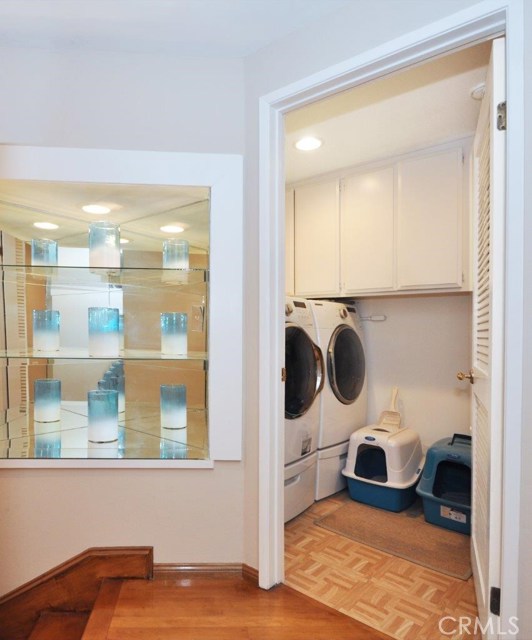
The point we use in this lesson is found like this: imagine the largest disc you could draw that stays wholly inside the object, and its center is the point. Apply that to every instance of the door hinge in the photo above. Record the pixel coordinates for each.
(283, 374)
(495, 601)
(501, 116)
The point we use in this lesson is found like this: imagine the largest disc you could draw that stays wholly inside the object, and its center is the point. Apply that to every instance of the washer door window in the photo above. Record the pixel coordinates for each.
(304, 371)
(346, 364)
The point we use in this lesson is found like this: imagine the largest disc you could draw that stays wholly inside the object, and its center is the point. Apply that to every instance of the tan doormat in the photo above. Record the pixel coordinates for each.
(404, 534)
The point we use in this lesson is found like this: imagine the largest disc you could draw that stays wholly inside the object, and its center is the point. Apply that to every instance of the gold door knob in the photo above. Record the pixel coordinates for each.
(466, 376)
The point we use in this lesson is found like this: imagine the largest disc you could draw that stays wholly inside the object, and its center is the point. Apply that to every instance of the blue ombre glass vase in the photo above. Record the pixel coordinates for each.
(104, 245)
(43, 252)
(47, 396)
(174, 333)
(175, 254)
(46, 325)
(103, 415)
(104, 338)
(173, 406)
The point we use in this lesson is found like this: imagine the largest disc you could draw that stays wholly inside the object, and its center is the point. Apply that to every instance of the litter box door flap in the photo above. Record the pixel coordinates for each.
(346, 364)
(304, 371)
(487, 358)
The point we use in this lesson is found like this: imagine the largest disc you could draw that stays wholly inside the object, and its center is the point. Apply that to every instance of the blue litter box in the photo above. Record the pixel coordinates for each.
(445, 485)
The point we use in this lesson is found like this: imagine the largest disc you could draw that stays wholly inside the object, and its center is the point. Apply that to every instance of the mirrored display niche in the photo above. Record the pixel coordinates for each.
(146, 368)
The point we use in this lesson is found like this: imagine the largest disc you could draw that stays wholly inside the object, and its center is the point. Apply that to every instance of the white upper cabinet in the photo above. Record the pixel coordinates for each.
(394, 227)
(367, 231)
(289, 242)
(429, 221)
(316, 230)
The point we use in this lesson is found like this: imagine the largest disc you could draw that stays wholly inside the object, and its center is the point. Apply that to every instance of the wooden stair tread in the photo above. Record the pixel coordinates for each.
(103, 610)
(72, 586)
(59, 625)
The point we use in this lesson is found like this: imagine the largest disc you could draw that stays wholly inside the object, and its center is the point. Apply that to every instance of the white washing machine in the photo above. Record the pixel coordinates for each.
(343, 401)
(305, 376)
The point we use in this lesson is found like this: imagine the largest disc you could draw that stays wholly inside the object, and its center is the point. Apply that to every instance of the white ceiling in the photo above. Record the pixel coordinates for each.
(227, 28)
(420, 107)
(412, 109)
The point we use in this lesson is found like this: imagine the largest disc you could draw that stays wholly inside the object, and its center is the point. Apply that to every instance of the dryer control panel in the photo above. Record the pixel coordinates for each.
(298, 310)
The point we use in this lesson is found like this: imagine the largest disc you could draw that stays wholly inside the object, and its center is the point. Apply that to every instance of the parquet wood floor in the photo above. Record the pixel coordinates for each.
(395, 596)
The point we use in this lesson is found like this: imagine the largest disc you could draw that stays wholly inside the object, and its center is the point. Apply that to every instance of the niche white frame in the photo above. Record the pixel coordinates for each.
(223, 174)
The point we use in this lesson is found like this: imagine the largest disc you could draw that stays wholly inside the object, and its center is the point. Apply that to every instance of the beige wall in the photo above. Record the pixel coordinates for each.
(50, 515)
(120, 101)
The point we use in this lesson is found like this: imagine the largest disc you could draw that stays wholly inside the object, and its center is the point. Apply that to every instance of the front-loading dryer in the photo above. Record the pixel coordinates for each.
(344, 399)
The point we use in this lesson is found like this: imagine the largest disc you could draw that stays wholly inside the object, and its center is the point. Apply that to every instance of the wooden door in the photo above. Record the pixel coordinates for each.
(488, 344)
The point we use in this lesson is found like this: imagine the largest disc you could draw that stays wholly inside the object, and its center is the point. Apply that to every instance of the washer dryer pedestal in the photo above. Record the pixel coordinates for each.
(299, 483)
(331, 462)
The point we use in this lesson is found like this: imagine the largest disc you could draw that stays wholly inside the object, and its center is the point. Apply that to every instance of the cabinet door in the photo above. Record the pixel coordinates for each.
(317, 264)
(429, 221)
(289, 242)
(367, 239)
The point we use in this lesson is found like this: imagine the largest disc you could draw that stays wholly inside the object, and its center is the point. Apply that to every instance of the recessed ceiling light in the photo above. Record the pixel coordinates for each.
(45, 225)
(308, 143)
(96, 209)
(172, 228)
(124, 241)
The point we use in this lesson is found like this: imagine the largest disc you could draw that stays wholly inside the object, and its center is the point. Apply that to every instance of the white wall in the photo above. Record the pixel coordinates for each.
(525, 577)
(143, 102)
(121, 101)
(361, 25)
(419, 348)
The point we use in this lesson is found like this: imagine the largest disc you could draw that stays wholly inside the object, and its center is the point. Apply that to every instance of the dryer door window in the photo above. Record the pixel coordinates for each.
(346, 364)
(304, 371)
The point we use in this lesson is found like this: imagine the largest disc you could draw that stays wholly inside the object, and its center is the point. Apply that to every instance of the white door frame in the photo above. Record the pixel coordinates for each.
(481, 21)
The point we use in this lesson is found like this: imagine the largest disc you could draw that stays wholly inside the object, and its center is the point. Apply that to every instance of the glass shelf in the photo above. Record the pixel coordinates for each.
(83, 354)
(88, 277)
(140, 436)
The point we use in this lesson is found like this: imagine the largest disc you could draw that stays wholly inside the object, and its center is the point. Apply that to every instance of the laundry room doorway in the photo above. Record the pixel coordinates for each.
(408, 330)
(271, 563)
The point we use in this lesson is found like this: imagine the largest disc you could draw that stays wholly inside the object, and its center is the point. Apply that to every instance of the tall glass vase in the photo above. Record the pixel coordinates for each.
(103, 415)
(104, 337)
(47, 395)
(104, 245)
(174, 333)
(43, 252)
(173, 406)
(46, 325)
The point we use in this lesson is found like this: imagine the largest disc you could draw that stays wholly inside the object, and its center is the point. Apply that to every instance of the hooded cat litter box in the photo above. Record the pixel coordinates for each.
(445, 485)
(384, 462)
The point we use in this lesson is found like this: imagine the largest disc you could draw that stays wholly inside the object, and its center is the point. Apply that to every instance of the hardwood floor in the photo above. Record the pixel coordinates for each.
(213, 606)
(390, 594)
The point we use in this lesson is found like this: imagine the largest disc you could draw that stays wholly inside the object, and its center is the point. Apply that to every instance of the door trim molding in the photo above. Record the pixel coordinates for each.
(482, 21)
